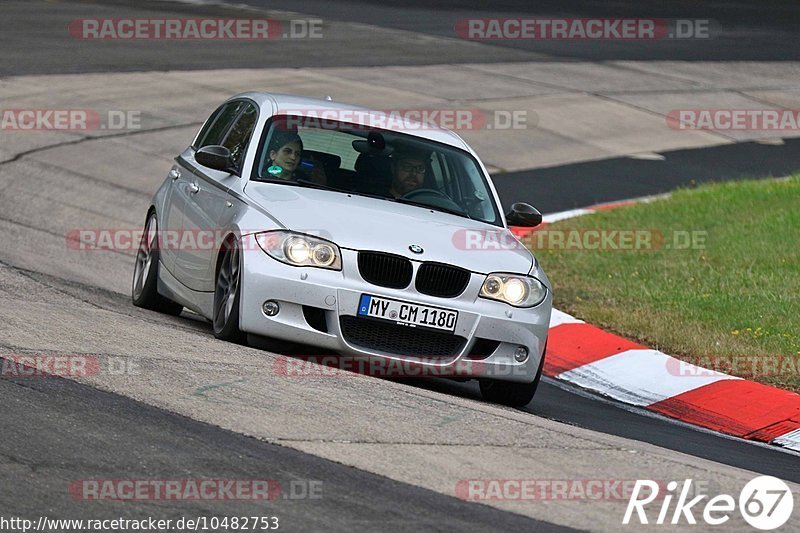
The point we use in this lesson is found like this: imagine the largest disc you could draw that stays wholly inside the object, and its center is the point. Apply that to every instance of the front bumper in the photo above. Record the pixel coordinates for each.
(336, 294)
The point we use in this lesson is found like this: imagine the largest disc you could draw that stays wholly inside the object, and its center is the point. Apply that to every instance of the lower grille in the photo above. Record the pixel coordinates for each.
(399, 340)
(315, 318)
(482, 349)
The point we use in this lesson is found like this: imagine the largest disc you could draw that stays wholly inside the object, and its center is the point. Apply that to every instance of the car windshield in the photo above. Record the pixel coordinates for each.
(374, 162)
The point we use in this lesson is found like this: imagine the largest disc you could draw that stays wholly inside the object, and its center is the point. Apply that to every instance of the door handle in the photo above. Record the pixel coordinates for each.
(194, 188)
(174, 174)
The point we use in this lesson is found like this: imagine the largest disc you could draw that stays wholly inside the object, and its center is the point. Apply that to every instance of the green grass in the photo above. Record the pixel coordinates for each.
(734, 299)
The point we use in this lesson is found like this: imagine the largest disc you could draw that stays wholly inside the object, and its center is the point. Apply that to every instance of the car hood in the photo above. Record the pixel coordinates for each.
(365, 223)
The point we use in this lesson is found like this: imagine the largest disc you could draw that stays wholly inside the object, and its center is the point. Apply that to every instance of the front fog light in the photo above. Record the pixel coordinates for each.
(271, 308)
(521, 354)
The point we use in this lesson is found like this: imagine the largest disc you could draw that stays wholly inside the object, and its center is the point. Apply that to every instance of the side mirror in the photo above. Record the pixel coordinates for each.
(215, 157)
(522, 214)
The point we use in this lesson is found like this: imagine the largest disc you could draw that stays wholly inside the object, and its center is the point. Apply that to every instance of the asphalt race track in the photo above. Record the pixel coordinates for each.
(387, 454)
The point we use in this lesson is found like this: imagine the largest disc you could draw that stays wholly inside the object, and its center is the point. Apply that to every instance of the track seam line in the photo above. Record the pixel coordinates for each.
(89, 138)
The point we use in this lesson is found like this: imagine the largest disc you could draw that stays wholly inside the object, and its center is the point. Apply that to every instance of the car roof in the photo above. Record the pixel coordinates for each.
(280, 103)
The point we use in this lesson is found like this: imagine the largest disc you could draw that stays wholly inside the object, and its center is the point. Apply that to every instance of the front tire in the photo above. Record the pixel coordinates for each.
(144, 288)
(226, 295)
(511, 393)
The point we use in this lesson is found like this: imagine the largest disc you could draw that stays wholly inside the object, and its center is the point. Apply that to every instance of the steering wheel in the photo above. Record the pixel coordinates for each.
(437, 199)
(419, 192)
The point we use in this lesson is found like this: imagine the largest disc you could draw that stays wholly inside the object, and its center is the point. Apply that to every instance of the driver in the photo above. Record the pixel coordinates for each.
(408, 171)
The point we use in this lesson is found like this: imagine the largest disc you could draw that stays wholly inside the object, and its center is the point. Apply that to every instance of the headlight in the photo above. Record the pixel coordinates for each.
(300, 250)
(519, 291)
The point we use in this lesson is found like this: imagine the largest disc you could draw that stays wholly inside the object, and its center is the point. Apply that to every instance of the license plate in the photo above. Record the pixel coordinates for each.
(407, 313)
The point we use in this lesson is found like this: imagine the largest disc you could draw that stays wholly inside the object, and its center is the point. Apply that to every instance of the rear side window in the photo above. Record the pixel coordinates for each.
(239, 135)
(215, 127)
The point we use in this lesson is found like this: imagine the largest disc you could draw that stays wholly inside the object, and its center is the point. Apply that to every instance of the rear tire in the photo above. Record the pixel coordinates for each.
(144, 288)
(226, 295)
(511, 393)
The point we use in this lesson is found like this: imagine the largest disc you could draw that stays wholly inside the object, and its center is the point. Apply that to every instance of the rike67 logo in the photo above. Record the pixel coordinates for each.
(765, 503)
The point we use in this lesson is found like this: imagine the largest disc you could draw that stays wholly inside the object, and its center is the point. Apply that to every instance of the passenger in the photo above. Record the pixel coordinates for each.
(285, 152)
(408, 171)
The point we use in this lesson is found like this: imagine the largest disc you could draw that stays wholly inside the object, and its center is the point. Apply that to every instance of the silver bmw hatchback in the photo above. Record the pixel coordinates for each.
(352, 231)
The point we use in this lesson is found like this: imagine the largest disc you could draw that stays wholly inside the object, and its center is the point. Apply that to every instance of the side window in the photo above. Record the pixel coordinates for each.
(476, 195)
(216, 126)
(239, 135)
(439, 176)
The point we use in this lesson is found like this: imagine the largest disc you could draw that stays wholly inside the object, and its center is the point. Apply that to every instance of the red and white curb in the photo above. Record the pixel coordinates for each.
(586, 356)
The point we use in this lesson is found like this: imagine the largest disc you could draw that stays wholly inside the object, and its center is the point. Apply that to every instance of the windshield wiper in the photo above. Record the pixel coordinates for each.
(459, 213)
(302, 182)
(314, 185)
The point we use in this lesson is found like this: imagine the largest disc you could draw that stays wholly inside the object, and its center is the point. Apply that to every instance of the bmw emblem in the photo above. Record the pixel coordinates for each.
(417, 249)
